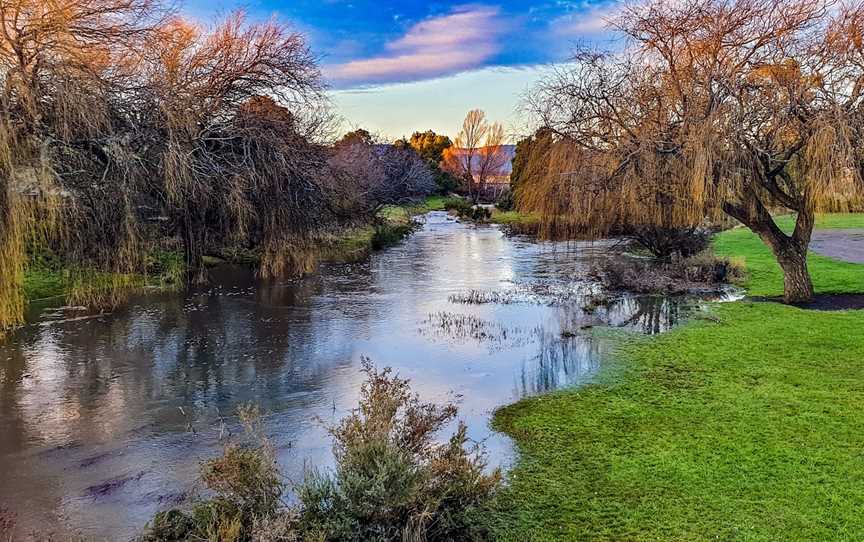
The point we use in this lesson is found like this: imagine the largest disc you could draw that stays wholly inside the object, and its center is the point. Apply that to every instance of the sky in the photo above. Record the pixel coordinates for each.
(397, 67)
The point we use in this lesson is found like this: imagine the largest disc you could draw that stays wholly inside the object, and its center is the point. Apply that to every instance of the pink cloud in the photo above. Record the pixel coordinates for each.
(459, 41)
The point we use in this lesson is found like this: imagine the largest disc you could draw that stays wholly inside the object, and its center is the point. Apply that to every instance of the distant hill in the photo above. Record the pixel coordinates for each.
(509, 150)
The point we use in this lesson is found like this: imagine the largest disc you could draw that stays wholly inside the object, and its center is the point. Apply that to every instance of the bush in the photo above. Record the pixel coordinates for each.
(678, 276)
(445, 182)
(457, 204)
(505, 201)
(387, 234)
(666, 243)
(393, 481)
(247, 488)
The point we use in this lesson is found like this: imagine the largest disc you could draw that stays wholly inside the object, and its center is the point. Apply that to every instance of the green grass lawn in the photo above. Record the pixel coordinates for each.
(748, 428)
(515, 218)
(765, 277)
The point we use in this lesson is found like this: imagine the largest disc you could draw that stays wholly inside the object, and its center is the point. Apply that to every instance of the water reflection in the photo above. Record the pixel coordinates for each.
(103, 420)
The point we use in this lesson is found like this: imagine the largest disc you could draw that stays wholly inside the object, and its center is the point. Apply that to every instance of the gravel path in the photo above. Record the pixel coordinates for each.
(846, 245)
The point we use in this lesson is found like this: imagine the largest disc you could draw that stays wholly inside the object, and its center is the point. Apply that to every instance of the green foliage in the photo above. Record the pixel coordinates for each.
(434, 203)
(44, 283)
(517, 222)
(460, 205)
(431, 146)
(167, 267)
(247, 487)
(393, 481)
(505, 201)
(736, 427)
(388, 234)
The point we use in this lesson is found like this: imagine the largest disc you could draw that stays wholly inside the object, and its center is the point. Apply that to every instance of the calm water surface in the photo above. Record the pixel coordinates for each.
(103, 420)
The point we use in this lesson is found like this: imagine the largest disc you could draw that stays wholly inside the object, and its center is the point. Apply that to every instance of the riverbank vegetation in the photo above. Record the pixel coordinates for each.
(745, 425)
(394, 480)
(713, 111)
(128, 132)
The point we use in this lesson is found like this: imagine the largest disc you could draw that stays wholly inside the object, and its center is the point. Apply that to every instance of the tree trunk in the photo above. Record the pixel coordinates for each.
(193, 251)
(790, 250)
(797, 285)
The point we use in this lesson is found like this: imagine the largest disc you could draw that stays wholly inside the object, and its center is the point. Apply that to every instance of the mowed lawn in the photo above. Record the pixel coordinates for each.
(750, 427)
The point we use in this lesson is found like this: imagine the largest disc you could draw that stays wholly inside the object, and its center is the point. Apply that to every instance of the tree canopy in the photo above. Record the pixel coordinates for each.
(742, 107)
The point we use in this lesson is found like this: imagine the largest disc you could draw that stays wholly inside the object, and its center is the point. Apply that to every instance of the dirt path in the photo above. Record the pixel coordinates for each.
(846, 245)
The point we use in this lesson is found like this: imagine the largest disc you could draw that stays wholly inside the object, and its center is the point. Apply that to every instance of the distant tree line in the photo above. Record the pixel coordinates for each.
(123, 126)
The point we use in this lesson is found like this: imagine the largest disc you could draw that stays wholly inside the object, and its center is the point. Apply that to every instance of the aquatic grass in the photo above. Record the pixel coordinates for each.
(747, 425)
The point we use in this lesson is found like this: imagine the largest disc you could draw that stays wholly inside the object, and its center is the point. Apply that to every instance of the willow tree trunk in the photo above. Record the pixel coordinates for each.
(797, 285)
(789, 250)
(791, 254)
(193, 249)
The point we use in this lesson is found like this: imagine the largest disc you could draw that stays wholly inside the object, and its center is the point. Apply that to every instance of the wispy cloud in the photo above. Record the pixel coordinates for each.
(589, 22)
(462, 40)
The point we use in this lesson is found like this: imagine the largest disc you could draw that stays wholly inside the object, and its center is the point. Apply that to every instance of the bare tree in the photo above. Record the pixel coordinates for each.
(477, 152)
(61, 64)
(367, 175)
(197, 82)
(716, 106)
(491, 157)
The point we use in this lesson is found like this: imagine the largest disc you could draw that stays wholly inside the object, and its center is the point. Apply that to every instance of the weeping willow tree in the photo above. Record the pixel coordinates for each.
(59, 64)
(200, 81)
(715, 107)
(284, 187)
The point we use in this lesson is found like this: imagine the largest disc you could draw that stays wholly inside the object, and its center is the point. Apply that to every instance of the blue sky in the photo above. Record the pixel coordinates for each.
(396, 67)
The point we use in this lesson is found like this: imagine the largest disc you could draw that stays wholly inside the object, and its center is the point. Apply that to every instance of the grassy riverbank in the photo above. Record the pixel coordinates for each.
(749, 427)
(52, 279)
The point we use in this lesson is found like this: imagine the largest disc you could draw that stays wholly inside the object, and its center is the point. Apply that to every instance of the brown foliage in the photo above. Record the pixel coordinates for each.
(715, 106)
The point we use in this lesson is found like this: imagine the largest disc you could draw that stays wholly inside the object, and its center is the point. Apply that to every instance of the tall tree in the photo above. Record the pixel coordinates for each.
(199, 80)
(477, 152)
(716, 106)
(60, 66)
(530, 161)
(431, 147)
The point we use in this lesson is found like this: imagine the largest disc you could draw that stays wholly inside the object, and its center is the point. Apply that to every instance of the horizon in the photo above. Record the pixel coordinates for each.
(399, 67)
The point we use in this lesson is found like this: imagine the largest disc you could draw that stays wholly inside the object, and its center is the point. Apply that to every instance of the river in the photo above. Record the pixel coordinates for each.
(104, 419)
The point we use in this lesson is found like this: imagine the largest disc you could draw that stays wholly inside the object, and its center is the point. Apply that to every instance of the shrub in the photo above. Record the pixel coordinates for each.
(387, 234)
(674, 277)
(474, 213)
(505, 201)
(247, 488)
(457, 204)
(666, 243)
(393, 480)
